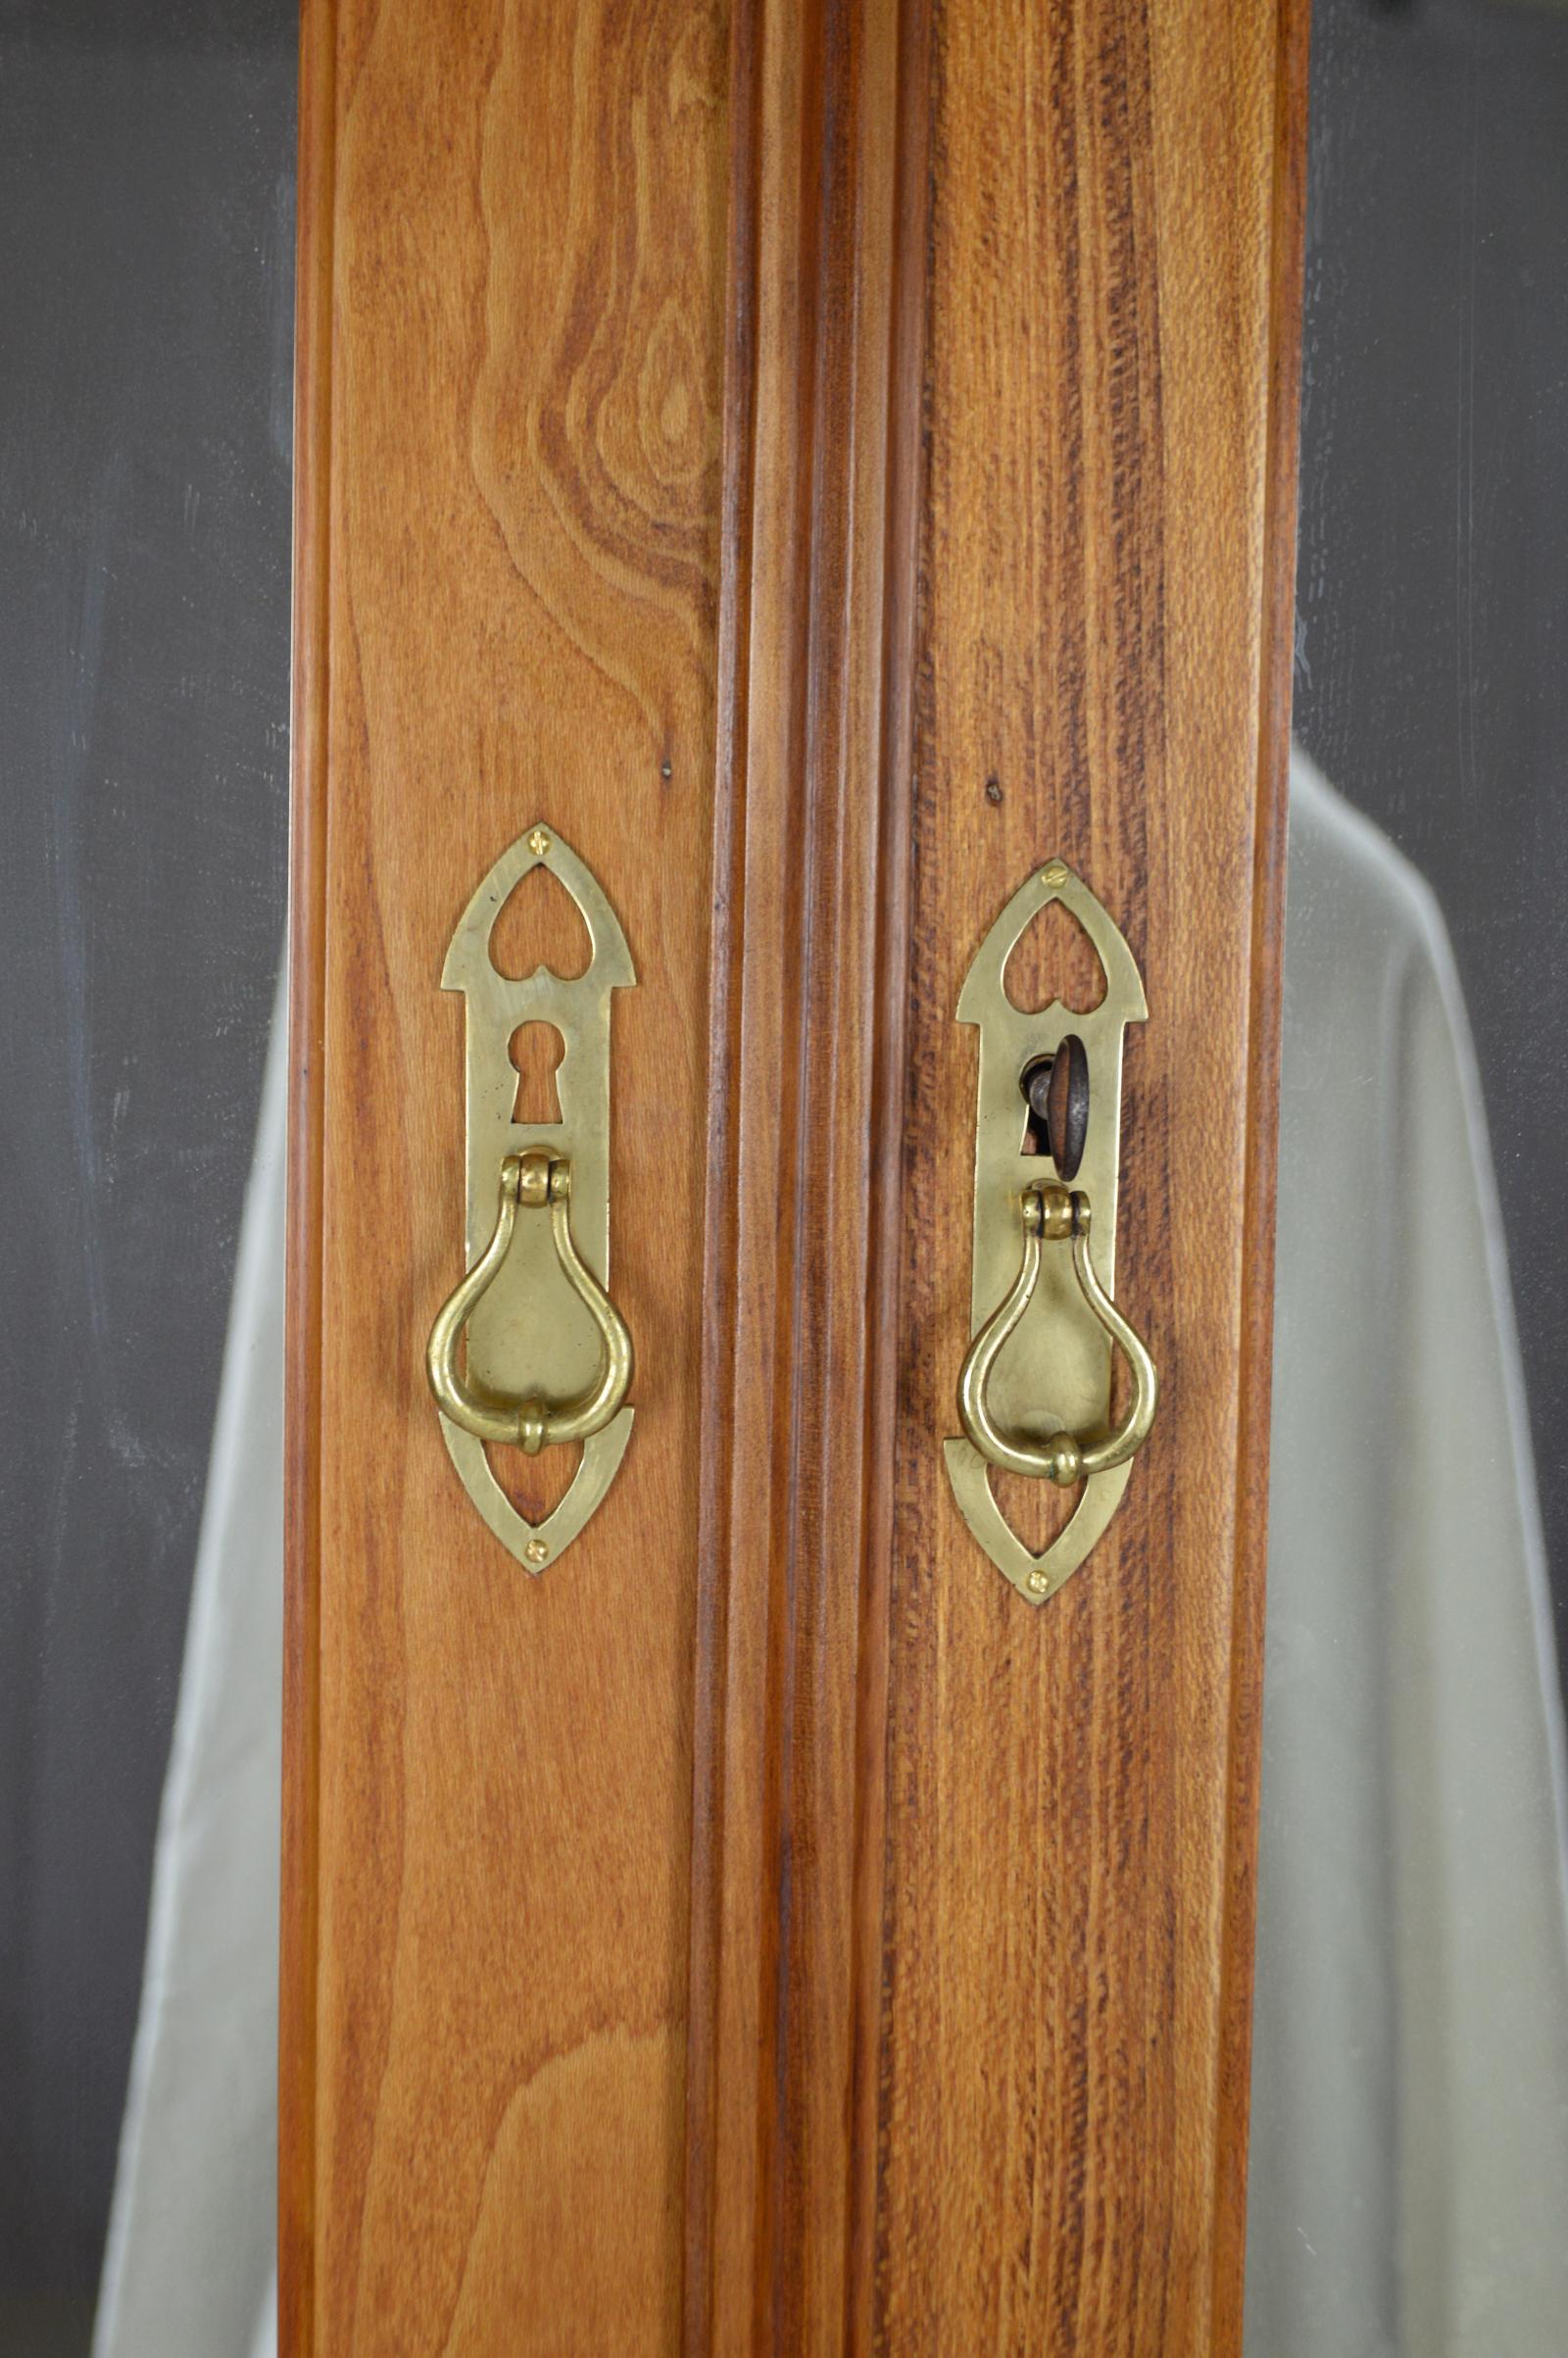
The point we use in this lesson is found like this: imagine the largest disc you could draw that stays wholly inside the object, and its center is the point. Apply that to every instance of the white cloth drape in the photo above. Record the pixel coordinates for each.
(1409, 2193)
(188, 2269)
(1410, 2178)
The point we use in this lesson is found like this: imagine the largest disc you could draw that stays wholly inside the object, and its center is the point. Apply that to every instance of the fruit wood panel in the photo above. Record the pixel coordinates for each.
(1103, 643)
(511, 313)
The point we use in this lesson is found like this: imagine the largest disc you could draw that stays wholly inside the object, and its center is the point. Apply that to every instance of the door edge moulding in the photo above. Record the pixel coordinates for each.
(829, 192)
(549, 1355)
(1048, 1111)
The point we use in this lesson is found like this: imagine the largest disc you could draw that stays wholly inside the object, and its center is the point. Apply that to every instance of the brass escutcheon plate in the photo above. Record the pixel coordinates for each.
(1055, 1373)
(530, 1336)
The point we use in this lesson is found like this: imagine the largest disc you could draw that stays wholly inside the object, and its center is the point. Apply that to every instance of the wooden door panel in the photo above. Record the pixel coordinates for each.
(824, 459)
(514, 361)
(972, 1888)
(1103, 626)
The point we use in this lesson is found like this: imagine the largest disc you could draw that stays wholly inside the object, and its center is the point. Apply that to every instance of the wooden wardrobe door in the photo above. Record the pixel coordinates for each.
(512, 294)
(825, 457)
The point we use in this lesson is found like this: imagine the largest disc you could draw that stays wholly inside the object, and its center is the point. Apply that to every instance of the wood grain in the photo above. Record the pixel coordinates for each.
(821, 458)
(511, 349)
(972, 1886)
(825, 460)
(1112, 339)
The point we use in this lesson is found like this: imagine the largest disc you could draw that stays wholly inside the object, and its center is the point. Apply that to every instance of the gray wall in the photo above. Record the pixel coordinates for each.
(1432, 633)
(146, 168)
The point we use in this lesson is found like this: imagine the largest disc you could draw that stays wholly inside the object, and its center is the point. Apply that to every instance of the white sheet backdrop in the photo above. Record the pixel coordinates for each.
(1409, 2191)
(189, 2265)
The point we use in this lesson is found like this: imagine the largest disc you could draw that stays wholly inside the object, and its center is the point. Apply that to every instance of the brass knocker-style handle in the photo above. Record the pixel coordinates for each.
(532, 1180)
(1051, 1212)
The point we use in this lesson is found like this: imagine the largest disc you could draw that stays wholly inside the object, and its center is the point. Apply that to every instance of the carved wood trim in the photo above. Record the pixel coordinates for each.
(827, 195)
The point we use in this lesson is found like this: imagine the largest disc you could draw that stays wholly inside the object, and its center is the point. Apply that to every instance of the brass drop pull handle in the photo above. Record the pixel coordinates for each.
(531, 1181)
(1051, 1214)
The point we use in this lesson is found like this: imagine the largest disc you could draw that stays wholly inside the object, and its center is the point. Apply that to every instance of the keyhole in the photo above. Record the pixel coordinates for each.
(536, 1050)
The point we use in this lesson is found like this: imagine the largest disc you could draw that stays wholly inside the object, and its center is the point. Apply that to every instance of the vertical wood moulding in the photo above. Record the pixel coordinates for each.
(822, 452)
(313, 346)
(890, 1241)
(1244, 1754)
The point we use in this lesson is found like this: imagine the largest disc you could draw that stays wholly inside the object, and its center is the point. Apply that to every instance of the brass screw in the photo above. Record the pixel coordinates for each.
(539, 843)
(536, 1551)
(1039, 1582)
(1053, 872)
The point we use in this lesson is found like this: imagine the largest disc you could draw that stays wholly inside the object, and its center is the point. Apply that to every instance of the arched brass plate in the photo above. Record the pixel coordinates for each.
(530, 1336)
(1053, 1374)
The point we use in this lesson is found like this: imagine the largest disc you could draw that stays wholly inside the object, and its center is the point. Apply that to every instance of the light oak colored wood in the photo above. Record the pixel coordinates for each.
(512, 307)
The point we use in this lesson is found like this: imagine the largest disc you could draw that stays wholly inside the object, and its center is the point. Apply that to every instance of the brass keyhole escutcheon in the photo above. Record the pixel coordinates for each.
(1034, 1389)
(529, 1349)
